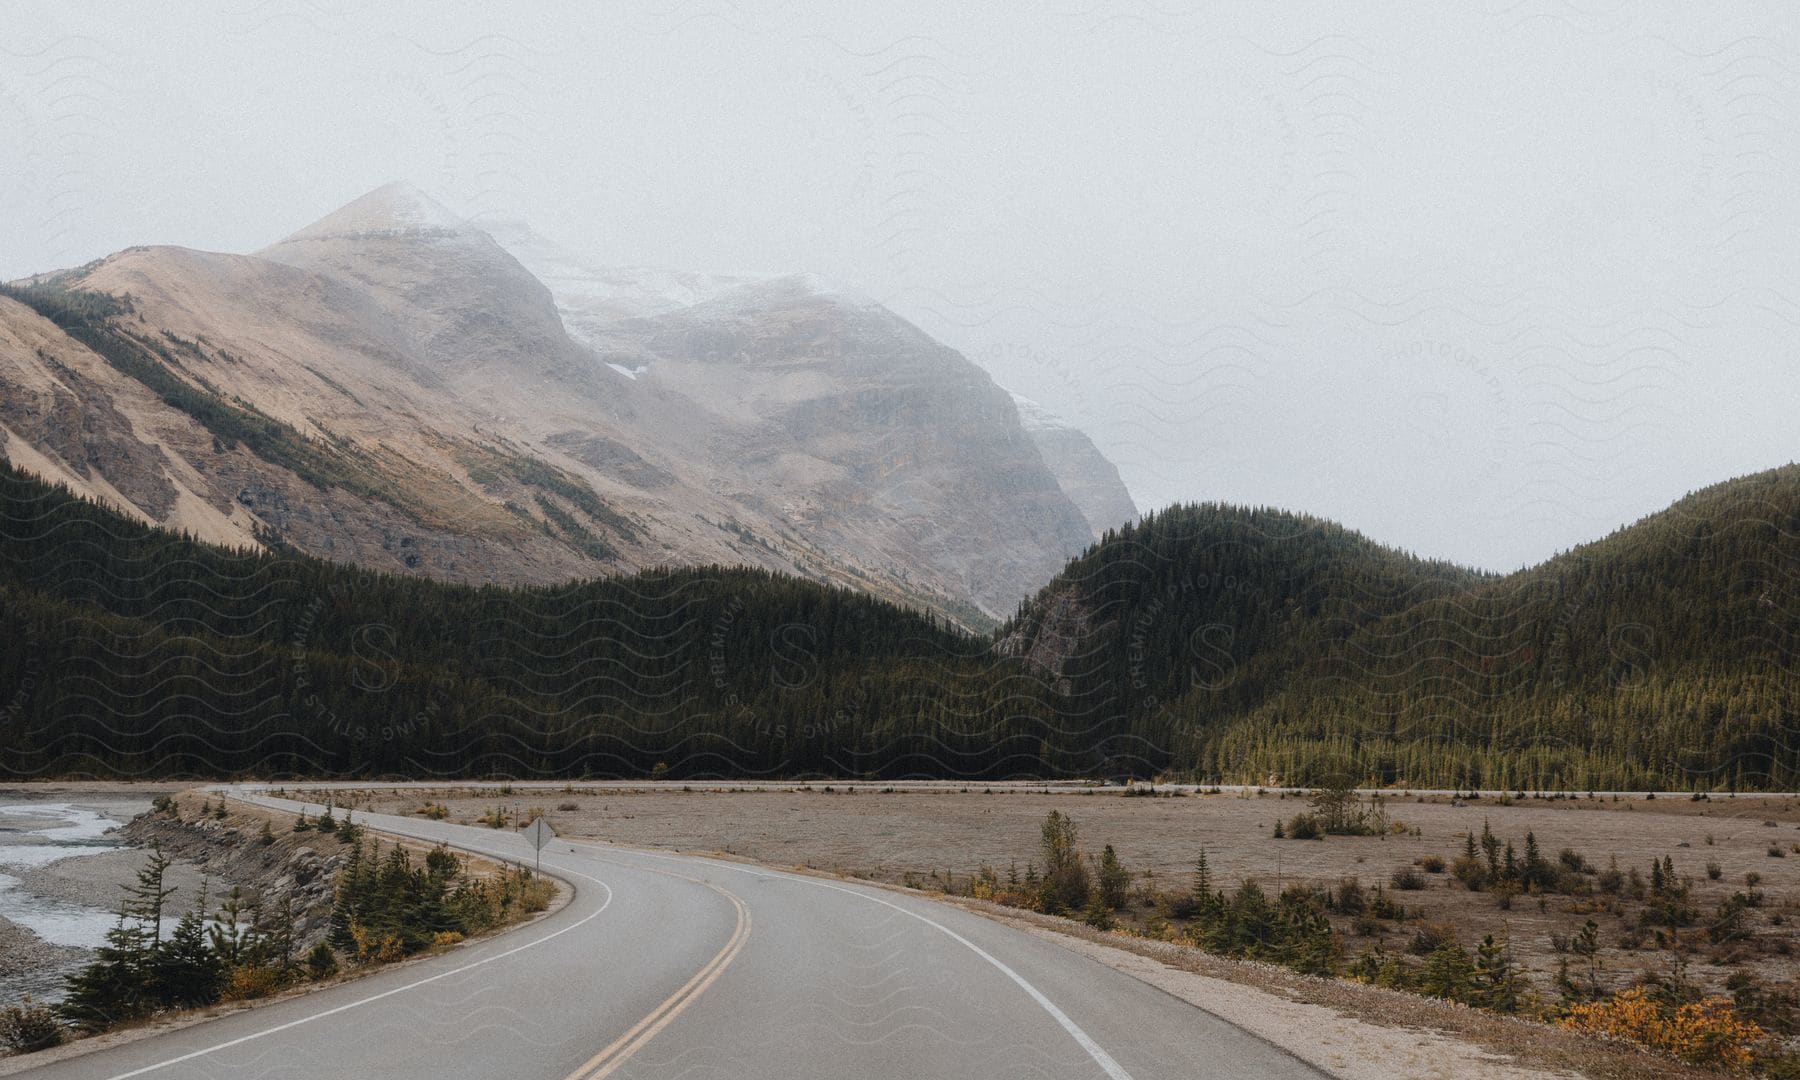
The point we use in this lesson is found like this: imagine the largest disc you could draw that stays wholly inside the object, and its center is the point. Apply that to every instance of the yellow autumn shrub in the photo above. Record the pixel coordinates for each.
(250, 981)
(1703, 1033)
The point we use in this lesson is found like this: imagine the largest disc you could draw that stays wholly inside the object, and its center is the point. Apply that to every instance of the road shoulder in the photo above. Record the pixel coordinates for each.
(1346, 1029)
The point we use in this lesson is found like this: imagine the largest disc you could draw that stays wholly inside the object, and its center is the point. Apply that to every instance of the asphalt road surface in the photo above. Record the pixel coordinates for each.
(672, 967)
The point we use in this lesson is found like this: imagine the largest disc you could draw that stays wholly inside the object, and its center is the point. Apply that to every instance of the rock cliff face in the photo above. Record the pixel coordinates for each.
(300, 872)
(392, 387)
(861, 432)
(1089, 480)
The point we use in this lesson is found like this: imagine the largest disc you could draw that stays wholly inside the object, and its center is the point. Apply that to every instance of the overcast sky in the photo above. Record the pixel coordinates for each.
(1483, 285)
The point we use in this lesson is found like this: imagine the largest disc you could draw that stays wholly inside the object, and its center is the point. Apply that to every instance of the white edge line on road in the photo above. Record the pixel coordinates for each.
(1105, 1060)
(385, 993)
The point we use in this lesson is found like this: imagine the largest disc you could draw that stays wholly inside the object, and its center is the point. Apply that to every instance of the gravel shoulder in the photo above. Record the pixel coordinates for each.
(1348, 1030)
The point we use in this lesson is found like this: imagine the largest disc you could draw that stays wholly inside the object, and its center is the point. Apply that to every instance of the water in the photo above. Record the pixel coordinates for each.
(34, 834)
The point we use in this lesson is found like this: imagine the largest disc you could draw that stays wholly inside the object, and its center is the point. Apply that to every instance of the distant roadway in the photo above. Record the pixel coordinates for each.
(667, 966)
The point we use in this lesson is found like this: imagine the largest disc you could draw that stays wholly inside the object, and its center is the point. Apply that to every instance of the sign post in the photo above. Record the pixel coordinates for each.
(539, 833)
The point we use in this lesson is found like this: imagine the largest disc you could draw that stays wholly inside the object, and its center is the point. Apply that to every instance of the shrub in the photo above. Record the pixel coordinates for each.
(1408, 878)
(26, 1028)
(376, 948)
(321, 962)
(1098, 915)
(1065, 884)
(1431, 937)
(1305, 827)
(1707, 1033)
(443, 939)
(534, 894)
(251, 981)
(1432, 864)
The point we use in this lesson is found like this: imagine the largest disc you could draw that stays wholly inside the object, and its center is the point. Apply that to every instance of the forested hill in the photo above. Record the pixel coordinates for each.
(133, 651)
(1257, 645)
(1210, 642)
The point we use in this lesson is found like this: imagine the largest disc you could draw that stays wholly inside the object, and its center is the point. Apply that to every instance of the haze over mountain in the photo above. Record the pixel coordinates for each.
(392, 386)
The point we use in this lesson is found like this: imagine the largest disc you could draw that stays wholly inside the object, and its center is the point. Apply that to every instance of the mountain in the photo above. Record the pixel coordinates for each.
(855, 427)
(391, 387)
(1089, 480)
(466, 310)
(1265, 646)
(592, 298)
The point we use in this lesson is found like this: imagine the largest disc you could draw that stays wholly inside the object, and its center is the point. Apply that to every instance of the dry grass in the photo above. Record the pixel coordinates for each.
(931, 836)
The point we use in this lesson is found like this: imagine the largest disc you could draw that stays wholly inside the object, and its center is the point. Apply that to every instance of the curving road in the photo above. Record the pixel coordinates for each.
(669, 967)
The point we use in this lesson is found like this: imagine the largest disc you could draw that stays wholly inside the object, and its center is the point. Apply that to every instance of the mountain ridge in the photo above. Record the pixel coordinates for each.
(404, 352)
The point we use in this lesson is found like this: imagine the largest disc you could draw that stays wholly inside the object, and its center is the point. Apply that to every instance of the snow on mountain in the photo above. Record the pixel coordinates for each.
(396, 209)
(588, 293)
(1090, 481)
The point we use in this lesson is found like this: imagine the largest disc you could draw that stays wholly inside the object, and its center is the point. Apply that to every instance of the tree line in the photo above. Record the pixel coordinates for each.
(1215, 643)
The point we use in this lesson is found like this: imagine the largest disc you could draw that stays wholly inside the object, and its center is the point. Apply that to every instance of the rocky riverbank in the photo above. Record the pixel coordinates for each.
(284, 866)
(70, 899)
(23, 953)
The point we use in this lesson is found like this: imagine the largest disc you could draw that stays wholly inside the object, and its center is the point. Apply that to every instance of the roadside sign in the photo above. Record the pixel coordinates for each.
(539, 833)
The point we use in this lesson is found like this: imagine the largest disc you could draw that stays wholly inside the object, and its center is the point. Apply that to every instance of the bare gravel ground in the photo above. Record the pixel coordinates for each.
(23, 953)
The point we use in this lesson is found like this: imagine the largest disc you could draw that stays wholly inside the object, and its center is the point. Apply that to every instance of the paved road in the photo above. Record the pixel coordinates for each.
(678, 967)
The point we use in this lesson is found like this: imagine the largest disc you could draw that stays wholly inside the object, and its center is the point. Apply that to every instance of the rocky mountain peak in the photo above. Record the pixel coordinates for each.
(392, 210)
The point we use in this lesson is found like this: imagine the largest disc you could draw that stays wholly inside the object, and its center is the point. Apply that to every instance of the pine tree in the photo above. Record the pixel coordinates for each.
(1448, 973)
(276, 935)
(185, 971)
(228, 933)
(1115, 880)
(116, 986)
(1496, 978)
(1203, 893)
(1535, 871)
(1097, 914)
(144, 901)
(352, 886)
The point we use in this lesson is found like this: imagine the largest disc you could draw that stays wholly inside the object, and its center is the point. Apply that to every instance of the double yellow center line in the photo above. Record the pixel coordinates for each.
(608, 1060)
